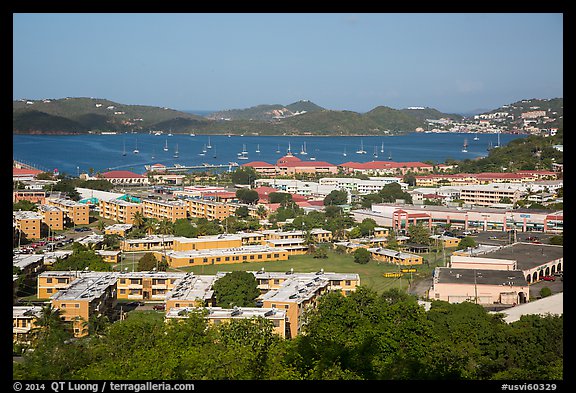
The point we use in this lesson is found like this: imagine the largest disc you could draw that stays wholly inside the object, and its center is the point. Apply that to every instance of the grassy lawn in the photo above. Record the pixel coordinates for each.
(371, 274)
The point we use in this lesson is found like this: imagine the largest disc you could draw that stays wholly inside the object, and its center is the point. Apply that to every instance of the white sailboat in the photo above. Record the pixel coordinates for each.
(344, 154)
(136, 151)
(258, 148)
(176, 152)
(382, 148)
(289, 151)
(375, 152)
(124, 151)
(203, 152)
(192, 134)
(208, 146)
(476, 137)
(166, 145)
(465, 146)
(278, 149)
(361, 151)
(390, 155)
(243, 155)
(303, 151)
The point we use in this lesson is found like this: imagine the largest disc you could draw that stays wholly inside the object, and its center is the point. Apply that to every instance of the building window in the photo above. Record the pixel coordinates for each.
(48, 281)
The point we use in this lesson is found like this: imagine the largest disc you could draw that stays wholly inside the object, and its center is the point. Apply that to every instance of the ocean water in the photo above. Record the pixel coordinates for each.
(73, 154)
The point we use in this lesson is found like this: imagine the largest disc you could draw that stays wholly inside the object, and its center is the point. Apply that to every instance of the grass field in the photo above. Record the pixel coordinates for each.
(371, 274)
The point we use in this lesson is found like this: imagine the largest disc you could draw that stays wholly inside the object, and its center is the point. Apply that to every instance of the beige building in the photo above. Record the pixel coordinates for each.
(118, 229)
(395, 257)
(23, 322)
(152, 285)
(490, 194)
(191, 291)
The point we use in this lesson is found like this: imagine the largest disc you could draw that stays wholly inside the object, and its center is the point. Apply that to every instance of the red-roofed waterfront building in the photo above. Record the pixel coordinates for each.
(125, 178)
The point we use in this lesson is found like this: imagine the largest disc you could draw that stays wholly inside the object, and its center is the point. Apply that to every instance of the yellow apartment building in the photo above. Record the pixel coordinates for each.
(88, 294)
(160, 210)
(345, 283)
(74, 212)
(293, 246)
(27, 223)
(146, 285)
(200, 208)
(216, 256)
(118, 229)
(218, 315)
(148, 243)
(23, 321)
(52, 216)
(51, 282)
(395, 257)
(318, 235)
(206, 242)
(110, 256)
(191, 291)
(119, 210)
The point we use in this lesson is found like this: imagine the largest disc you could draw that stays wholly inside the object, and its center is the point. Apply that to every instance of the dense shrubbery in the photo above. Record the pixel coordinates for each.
(363, 336)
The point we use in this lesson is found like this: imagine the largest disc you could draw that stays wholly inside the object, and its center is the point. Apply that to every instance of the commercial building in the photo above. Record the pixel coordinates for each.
(379, 168)
(29, 195)
(125, 178)
(401, 216)
(482, 286)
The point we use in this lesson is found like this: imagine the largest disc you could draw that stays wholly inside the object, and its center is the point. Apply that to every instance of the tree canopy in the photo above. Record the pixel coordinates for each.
(237, 288)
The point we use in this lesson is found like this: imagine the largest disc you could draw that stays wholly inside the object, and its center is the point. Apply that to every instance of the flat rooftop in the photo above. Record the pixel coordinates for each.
(448, 275)
(296, 290)
(191, 287)
(233, 313)
(86, 288)
(528, 255)
(224, 251)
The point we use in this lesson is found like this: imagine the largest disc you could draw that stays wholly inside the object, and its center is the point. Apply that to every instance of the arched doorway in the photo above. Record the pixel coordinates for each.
(521, 297)
(535, 277)
(553, 270)
(541, 274)
(547, 271)
(559, 268)
(528, 278)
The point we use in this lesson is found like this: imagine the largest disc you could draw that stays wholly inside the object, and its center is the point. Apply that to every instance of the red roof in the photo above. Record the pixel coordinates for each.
(385, 165)
(122, 175)
(288, 160)
(24, 172)
(498, 175)
(258, 164)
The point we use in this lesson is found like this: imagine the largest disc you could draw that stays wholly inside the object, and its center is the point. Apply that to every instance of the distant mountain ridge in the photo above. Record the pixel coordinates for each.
(83, 115)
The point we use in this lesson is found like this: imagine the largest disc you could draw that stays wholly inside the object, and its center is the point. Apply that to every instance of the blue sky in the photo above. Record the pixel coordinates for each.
(455, 63)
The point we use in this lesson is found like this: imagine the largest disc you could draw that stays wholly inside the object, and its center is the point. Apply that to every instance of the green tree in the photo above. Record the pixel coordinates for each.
(336, 197)
(24, 205)
(244, 175)
(545, 292)
(147, 262)
(556, 240)
(247, 196)
(367, 227)
(279, 197)
(361, 256)
(238, 288)
(466, 242)
(419, 234)
(183, 227)
(321, 252)
(242, 212)
(150, 226)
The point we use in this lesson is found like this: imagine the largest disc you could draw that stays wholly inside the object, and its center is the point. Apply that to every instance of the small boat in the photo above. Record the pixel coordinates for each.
(166, 145)
(344, 154)
(243, 155)
(124, 151)
(476, 138)
(361, 151)
(375, 152)
(390, 155)
(170, 134)
(208, 146)
(203, 152)
(192, 134)
(465, 146)
(176, 152)
(303, 151)
(382, 148)
(278, 149)
(258, 148)
(136, 151)
(153, 153)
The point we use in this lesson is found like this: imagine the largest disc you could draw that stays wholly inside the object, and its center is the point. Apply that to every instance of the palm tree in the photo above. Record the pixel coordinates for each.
(138, 219)
(150, 226)
(96, 324)
(101, 225)
(261, 211)
(165, 227)
(50, 319)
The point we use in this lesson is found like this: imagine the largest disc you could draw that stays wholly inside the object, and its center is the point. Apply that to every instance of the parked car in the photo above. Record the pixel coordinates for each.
(158, 307)
(549, 278)
(60, 237)
(493, 237)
